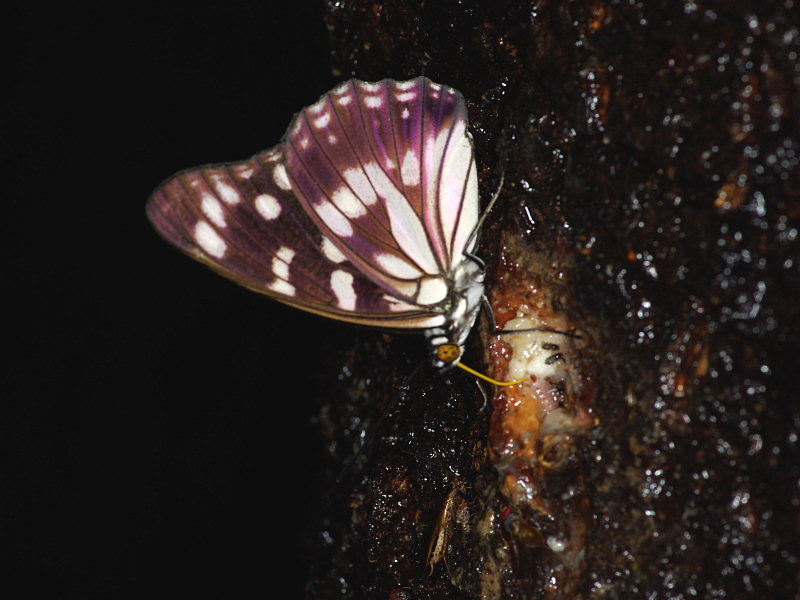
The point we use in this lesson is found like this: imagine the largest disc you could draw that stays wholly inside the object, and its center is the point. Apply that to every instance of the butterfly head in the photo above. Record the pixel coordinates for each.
(446, 342)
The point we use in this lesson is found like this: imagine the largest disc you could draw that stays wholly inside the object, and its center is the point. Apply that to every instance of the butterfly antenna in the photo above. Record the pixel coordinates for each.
(487, 308)
(485, 213)
(541, 328)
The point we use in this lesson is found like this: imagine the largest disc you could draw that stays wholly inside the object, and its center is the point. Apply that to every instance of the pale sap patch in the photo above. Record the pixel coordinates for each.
(361, 186)
(396, 266)
(280, 177)
(342, 286)
(281, 262)
(406, 97)
(346, 202)
(228, 194)
(209, 240)
(373, 101)
(331, 252)
(282, 287)
(268, 206)
(432, 290)
(322, 121)
(213, 210)
(533, 350)
(334, 219)
(409, 171)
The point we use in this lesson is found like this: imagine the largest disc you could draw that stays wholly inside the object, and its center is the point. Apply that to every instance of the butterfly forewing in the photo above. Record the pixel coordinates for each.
(361, 214)
(366, 160)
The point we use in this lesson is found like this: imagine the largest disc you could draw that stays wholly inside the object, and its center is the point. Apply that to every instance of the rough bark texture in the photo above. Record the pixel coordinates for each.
(650, 153)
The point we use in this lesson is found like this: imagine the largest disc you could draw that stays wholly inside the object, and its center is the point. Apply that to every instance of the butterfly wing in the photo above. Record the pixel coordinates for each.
(358, 215)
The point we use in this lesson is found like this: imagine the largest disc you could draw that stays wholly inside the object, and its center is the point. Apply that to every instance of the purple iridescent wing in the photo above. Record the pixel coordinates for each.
(361, 214)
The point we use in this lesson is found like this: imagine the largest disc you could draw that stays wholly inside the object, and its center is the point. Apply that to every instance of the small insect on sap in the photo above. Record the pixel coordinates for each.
(454, 510)
(366, 212)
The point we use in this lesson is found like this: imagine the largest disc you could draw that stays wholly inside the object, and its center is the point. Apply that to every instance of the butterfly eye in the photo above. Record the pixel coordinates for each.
(447, 353)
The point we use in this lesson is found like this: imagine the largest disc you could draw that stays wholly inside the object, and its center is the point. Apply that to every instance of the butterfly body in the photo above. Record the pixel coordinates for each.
(366, 212)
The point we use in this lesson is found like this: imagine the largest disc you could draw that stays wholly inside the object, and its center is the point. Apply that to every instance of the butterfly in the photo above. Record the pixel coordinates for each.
(365, 212)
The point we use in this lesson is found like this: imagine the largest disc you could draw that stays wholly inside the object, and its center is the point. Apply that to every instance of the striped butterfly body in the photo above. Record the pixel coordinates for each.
(366, 212)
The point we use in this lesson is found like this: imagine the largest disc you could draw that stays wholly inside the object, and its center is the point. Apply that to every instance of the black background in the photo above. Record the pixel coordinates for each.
(156, 417)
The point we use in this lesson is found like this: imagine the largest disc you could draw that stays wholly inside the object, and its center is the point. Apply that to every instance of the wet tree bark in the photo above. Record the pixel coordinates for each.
(650, 204)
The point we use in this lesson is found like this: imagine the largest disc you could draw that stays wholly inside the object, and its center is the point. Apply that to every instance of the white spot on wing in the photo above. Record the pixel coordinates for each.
(396, 305)
(369, 87)
(396, 266)
(209, 240)
(213, 210)
(281, 262)
(318, 106)
(342, 286)
(344, 100)
(405, 85)
(405, 114)
(410, 168)
(322, 121)
(359, 183)
(432, 290)
(331, 216)
(346, 202)
(373, 101)
(280, 177)
(331, 252)
(228, 194)
(272, 155)
(244, 171)
(268, 206)
(282, 287)
(406, 96)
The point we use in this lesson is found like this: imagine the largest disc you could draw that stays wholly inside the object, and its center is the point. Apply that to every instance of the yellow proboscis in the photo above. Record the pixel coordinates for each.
(475, 373)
